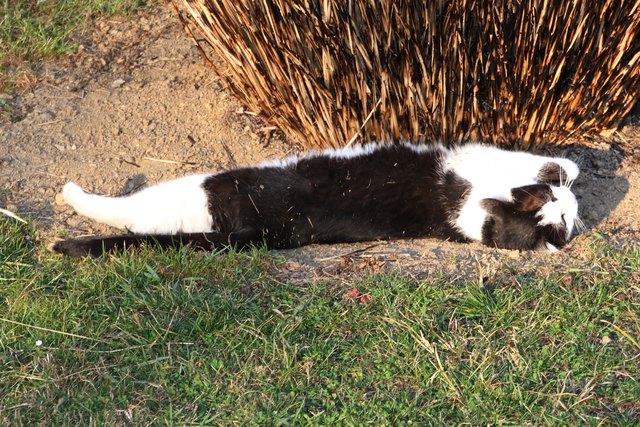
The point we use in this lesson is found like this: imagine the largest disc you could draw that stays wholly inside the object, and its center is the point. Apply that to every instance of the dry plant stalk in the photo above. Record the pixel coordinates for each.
(505, 72)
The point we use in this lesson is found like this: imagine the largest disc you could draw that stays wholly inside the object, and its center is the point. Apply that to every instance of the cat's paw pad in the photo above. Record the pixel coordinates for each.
(71, 192)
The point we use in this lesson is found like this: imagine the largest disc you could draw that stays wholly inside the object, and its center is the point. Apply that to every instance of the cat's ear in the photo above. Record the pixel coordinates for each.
(530, 198)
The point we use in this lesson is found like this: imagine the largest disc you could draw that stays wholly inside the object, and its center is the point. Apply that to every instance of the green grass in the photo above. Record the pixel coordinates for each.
(179, 337)
(34, 29)
(31, 30)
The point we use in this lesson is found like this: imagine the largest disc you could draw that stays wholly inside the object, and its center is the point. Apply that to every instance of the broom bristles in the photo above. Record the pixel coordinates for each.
(523, 73)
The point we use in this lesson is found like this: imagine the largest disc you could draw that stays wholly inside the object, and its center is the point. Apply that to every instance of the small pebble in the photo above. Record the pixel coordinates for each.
(59, 200)
(74, 221)
(117, 83)
(46, 116)
(73, 86)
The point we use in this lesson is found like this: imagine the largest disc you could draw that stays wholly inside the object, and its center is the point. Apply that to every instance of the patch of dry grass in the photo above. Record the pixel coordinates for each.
(330, 72)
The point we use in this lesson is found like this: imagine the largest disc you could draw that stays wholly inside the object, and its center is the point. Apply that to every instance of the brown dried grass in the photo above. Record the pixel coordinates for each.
(328, 72)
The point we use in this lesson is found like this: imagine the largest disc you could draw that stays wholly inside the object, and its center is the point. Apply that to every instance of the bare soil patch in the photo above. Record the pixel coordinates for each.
(137, 105)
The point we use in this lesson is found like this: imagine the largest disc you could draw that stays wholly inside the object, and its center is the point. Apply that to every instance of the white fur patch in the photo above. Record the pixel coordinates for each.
(550, 247)
(471, 218)
(495, 171)
(287, 162)
(179, 205)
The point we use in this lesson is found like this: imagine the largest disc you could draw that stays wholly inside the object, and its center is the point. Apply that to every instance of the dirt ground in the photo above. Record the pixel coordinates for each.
(137, 105)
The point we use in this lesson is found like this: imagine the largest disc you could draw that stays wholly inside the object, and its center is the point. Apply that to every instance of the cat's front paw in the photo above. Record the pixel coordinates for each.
(71, 193)
(558, 170)
(570, 168)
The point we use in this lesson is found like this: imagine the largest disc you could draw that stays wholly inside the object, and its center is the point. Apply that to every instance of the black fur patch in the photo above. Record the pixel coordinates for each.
(514, 225)
(530, 198)
(393, 193)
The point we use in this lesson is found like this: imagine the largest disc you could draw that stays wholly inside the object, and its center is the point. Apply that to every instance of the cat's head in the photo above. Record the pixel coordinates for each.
(539, 216)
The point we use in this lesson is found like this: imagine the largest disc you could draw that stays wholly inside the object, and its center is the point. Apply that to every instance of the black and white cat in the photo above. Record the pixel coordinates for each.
(375, 191)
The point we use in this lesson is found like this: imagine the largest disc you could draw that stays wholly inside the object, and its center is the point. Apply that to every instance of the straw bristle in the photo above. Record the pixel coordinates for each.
(328, 72)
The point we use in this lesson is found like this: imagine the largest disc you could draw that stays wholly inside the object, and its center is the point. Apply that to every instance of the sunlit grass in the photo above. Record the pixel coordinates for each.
(31, 30)
(36, 29)
(183, 337)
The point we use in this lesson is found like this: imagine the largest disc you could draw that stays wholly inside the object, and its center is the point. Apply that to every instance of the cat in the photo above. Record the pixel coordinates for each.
(375, 191)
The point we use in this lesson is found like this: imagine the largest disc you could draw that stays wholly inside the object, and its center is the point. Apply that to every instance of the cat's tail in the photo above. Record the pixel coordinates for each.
(97, 245)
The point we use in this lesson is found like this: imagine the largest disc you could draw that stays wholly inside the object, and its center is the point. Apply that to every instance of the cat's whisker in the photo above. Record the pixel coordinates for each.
(579, 225)
(568, 181)
(568, 184)
(565, 180)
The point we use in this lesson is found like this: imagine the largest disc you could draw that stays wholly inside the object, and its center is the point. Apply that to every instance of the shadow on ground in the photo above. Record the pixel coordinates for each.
(599, 189)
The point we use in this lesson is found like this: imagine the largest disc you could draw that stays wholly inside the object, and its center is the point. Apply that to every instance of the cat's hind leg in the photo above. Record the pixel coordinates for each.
(171, 207)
